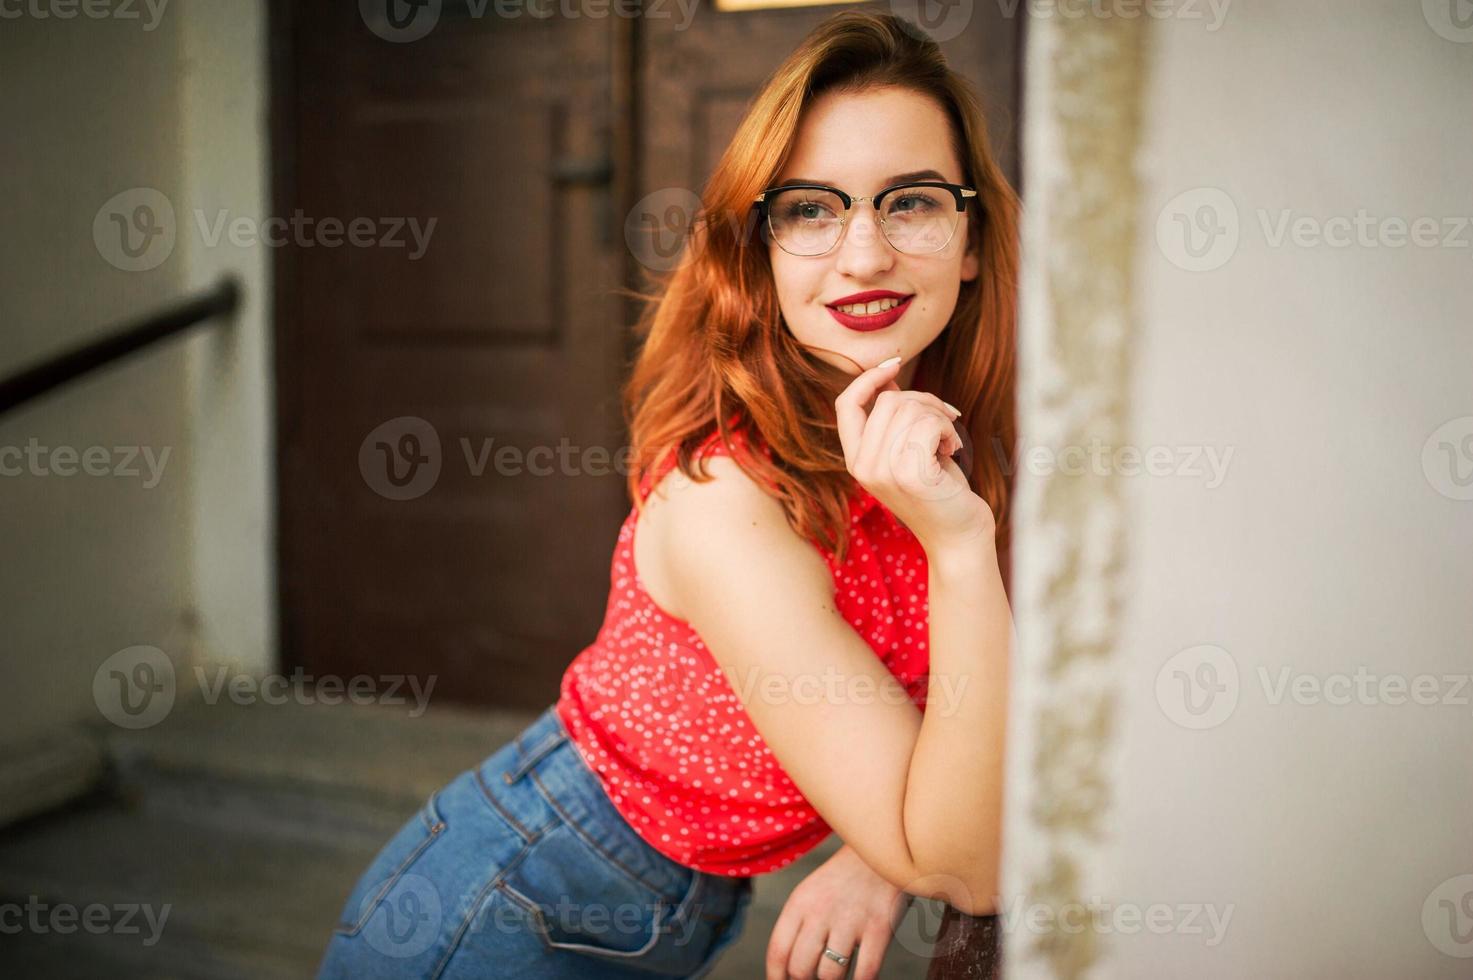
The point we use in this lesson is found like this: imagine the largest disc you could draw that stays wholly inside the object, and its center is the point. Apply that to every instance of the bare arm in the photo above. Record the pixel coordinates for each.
(953, 799)
(918, 802)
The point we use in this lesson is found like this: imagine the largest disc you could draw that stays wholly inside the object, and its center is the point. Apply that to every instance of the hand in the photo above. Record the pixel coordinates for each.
(898, 445)
(842, 905)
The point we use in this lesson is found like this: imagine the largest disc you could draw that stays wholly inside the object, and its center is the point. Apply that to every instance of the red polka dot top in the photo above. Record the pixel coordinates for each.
(658, 721)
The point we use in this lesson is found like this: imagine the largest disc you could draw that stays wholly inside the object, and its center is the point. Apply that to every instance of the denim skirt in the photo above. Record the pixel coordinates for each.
(522, 868)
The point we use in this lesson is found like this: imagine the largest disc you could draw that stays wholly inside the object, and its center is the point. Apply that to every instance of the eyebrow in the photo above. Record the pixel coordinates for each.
(888, 182)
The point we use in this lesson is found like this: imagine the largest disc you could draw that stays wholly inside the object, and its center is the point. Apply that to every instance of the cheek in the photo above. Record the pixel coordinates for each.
(796, 288)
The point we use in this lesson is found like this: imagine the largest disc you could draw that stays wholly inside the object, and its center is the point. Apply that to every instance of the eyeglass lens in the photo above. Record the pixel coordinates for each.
(805, 221)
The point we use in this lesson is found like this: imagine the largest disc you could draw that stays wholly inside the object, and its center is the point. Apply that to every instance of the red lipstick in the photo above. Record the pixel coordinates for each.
(875, 321)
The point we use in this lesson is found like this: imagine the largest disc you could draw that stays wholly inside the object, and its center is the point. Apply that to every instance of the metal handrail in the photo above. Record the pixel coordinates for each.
(221, 301)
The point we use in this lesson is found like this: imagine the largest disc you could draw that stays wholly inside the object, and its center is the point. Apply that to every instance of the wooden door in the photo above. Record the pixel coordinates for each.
(448, 413)
(449, 470)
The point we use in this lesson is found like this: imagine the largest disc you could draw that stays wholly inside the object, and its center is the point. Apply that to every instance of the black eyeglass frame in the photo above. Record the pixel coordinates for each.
(960, 192)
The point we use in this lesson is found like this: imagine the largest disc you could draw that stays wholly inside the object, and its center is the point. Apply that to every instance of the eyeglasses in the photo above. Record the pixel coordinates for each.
(918, 218)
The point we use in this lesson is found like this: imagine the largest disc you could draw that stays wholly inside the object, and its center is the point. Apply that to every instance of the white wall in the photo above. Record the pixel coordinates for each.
(1327, 547)
(225, 158)
(173, 101)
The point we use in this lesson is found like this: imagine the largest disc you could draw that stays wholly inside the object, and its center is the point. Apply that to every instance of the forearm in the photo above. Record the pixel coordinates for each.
(953, 799)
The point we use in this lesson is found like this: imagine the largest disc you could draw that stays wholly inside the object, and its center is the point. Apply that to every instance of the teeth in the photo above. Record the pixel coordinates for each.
(870, 308)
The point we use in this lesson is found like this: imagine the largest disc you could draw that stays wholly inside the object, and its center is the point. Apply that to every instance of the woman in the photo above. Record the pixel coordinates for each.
(810, 630)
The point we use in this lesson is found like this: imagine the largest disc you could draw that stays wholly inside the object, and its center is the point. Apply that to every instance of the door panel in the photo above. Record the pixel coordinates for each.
(497, 326)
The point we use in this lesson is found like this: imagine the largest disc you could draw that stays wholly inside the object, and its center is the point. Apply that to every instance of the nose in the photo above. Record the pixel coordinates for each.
(864, 253)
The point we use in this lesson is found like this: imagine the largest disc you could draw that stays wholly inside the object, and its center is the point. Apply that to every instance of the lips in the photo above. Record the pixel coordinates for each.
(870, 321)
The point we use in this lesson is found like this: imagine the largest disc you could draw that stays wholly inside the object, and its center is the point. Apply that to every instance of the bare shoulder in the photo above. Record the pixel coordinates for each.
(718, 533)
(761, 599)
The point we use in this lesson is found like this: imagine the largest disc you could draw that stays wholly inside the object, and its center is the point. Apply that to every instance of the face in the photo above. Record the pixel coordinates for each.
(857, 142)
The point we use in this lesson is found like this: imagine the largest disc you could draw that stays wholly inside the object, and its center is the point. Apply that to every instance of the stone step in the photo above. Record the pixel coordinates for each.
(251, 822)
(175, 898)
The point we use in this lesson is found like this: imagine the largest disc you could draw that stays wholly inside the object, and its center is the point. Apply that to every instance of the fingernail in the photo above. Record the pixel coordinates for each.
(952, 407)
(886, 363)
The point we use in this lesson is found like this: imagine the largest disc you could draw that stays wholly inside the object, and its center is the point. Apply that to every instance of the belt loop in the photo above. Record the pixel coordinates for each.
(554, 737)
(693, 900)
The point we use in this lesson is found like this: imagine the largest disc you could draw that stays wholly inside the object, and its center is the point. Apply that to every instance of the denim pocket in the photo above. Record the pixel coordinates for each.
(388, 876)
(580, 905)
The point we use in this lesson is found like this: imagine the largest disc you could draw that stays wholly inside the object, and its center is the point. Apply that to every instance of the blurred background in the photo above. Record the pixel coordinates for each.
(310, 454)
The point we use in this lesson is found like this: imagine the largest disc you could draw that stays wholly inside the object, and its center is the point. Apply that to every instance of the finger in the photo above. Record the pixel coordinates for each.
(870, 955)
(883, 411)
(852, 406)
(891, 418)
(780, 945)
(939, 431)
(840, 941)
(808, 950)
(920, 464)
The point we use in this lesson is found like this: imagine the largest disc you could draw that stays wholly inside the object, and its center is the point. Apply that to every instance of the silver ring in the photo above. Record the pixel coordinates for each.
(838, 958)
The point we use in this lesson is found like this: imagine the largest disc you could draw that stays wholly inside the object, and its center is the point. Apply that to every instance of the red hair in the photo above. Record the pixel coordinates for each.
(716, 354)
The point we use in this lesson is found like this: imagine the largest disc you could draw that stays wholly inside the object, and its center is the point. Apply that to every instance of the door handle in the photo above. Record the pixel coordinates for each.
(596, 172)
(591, 171)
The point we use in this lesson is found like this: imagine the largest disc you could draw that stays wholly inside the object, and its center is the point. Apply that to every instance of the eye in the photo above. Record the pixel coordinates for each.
(915, 202)
(805, 211)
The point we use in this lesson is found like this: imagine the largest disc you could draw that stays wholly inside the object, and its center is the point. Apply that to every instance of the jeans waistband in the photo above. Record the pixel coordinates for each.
(533, 743)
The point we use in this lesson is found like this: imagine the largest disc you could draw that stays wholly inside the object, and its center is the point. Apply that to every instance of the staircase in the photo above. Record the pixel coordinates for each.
(221, 843)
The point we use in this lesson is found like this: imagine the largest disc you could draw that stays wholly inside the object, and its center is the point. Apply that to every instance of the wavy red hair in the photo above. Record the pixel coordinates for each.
(716, 355)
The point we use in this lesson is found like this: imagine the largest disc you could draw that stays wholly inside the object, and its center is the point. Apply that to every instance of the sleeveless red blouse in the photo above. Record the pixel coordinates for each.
(658, 721)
